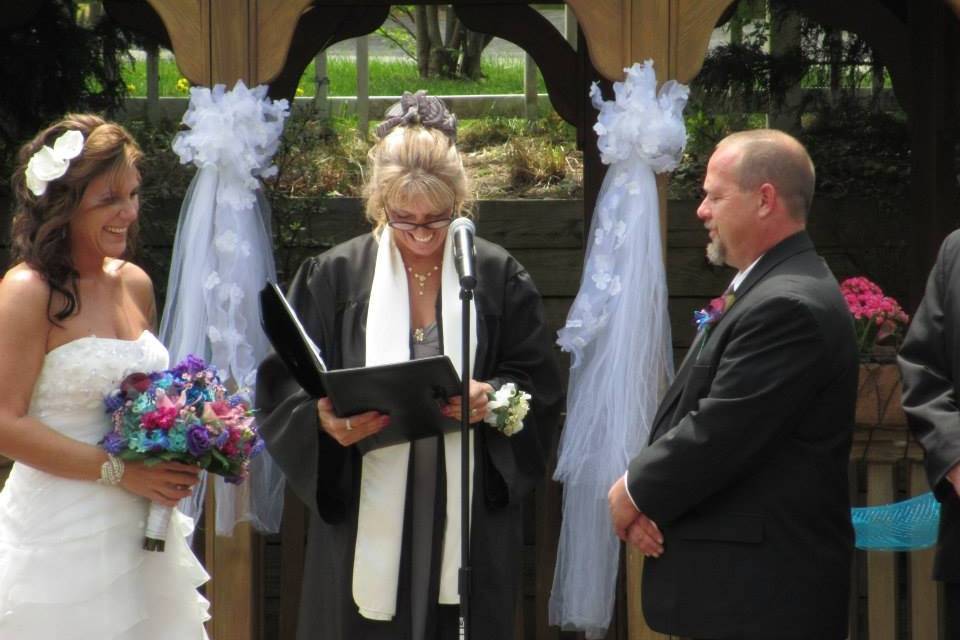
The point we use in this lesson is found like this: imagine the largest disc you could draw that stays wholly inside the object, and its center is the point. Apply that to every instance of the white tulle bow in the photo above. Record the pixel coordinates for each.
(222, 257)
(618, 333)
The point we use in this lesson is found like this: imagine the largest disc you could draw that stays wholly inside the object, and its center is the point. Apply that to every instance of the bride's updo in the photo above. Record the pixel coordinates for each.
(416, 156)
(40, 233)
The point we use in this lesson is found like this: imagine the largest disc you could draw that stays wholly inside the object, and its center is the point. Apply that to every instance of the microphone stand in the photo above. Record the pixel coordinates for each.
(465, 574)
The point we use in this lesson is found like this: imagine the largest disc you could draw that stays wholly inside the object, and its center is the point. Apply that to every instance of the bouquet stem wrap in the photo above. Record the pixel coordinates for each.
(158, 521)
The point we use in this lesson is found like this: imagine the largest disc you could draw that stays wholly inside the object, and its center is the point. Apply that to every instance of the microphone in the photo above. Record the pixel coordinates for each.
(463, 252)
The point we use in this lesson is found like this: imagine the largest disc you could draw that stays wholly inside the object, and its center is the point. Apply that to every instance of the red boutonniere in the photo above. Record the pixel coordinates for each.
(708, 316)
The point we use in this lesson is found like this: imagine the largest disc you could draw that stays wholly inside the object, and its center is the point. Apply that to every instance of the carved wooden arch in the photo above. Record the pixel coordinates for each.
(324, 24)
(673, 33)
(225, 40)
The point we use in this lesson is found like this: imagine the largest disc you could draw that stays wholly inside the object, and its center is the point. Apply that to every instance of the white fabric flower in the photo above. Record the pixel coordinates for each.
(50, 163)
(211, 281)
(227, 241)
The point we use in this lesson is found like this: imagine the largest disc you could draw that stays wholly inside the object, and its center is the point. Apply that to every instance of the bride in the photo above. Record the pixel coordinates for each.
(75, 319)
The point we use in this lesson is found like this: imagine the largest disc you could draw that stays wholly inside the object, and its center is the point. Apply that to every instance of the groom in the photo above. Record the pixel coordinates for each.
(740, 500)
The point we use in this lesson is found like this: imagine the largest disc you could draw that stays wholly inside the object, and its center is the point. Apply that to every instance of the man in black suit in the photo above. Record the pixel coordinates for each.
(929, 363)
(740, 500)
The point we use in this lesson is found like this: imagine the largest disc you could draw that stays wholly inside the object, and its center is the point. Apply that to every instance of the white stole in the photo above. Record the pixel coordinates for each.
(383, 482)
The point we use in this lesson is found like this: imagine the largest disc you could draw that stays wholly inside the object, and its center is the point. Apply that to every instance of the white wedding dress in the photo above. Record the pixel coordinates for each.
(71, 562)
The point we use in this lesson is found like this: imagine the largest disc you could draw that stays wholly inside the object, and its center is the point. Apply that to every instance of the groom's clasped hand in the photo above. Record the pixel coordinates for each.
(630, 525)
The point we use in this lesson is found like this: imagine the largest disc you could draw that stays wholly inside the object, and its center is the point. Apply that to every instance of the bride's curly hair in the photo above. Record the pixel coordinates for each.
(40, 231)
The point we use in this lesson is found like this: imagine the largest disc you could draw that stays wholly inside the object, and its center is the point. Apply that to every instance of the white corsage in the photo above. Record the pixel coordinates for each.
(507, 408)
(50, 163)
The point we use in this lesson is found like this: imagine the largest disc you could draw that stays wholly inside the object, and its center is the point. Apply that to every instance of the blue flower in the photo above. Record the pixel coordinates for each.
(162, 380)
(143, 404)
(178, 439)
(114, 443)
(157, 440)
(709, 315)
(195, 394)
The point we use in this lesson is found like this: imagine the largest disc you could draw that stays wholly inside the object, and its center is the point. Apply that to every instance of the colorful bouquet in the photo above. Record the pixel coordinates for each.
(877, 317)
(507, 408)
(183, 414)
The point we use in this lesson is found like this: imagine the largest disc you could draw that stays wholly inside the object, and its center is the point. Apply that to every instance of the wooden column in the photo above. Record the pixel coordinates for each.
(674, 34)
(881, 565)
(924, 591)
(934, 194)
(220, 42)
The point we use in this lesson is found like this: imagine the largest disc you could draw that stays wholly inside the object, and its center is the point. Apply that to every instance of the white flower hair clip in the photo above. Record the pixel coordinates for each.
(50, 163)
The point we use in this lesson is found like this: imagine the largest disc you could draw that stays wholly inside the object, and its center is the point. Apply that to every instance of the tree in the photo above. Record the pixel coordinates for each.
(53, 64)
(439, 43)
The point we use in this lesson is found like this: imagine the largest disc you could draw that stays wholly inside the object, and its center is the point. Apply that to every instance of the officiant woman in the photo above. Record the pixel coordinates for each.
(383, 547)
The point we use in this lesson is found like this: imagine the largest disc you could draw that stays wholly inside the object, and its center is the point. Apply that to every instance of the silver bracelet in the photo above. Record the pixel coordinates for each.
(111, 471)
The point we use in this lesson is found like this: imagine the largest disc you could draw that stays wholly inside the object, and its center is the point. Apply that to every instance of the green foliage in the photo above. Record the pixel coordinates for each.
(391, 77)
(52, 66)
(491, 131)
(316, 159)
(858, 152)
(170, 81)
(388, 77)
(536, 162)
(398, 29)
(742, 78)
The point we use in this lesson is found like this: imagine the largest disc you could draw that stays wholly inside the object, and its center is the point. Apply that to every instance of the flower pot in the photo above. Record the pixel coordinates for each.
(878, 396)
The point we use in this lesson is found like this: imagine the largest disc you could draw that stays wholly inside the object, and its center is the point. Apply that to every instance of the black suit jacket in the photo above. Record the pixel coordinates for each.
(746, 470)
(929, 361)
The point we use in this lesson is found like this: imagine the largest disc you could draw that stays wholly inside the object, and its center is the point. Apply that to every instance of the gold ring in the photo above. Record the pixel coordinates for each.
(473, 412)
(349, 427)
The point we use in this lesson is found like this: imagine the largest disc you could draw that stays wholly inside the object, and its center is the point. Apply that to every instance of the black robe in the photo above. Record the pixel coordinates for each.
(330, 293)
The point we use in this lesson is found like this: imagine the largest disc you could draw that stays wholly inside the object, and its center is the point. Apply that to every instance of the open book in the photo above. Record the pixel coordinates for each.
(411, 393)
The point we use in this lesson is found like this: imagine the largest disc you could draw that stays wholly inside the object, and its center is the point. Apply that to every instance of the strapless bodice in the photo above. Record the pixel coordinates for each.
(75, 377)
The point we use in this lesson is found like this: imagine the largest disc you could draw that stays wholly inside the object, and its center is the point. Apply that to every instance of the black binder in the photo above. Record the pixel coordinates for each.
(411, 393)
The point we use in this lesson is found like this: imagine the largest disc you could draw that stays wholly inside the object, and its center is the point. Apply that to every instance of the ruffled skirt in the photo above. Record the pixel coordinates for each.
(72, 566)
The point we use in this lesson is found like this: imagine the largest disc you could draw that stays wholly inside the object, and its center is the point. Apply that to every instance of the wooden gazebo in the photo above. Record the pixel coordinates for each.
(272, 41)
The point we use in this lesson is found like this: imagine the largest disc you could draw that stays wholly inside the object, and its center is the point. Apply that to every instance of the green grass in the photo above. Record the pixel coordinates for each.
(388, 77)
(135, 75)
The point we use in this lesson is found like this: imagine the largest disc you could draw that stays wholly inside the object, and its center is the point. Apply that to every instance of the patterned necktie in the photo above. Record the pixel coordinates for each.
(729, 297)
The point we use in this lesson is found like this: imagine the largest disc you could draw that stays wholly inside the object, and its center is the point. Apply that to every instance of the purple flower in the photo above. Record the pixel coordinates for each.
(222, 438)
(114, 443)
(189, 365)
(113, 401)
(198, 441)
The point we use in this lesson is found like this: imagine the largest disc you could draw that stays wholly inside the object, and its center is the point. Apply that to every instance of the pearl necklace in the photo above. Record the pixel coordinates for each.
(421, 278)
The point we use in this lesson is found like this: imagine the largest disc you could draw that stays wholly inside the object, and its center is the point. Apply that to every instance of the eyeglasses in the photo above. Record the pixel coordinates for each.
(402, 225)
